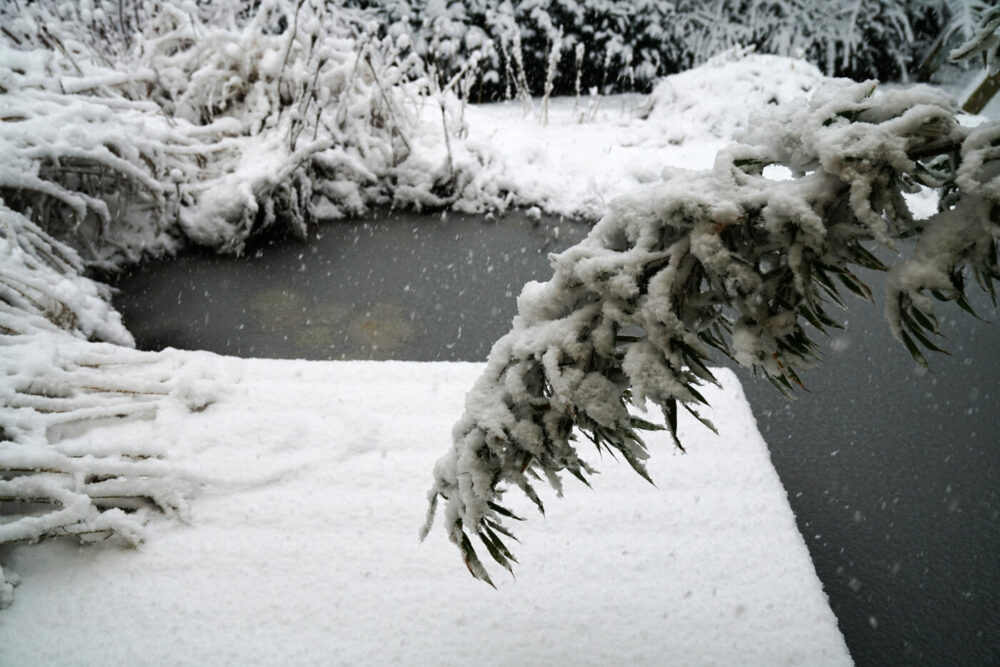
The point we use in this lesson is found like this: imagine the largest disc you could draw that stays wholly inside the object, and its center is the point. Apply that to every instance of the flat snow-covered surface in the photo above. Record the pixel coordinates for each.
(304, 550)
(577, 163)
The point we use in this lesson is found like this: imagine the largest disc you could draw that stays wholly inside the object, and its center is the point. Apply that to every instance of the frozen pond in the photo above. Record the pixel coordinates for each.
(399, 286)
(893, 473)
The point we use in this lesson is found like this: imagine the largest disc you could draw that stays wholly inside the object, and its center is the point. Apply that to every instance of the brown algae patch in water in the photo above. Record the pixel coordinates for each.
(380, 331)
(335, 329)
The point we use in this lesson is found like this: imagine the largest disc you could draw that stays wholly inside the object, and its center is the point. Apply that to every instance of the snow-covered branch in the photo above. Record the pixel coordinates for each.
(726, 260)
(58, 384)
(984, 41)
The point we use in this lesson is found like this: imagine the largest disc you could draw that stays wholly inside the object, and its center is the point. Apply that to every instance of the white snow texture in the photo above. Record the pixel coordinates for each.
(301, 548)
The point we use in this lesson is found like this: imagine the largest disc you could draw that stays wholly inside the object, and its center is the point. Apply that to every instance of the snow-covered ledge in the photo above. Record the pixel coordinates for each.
(304, 550)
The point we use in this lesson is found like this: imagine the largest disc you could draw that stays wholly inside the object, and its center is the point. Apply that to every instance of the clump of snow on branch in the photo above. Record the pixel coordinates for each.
(984, 41)
(726, 260)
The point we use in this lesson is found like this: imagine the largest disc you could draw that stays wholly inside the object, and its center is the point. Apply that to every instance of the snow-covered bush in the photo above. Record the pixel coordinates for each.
(843, 37)
(57, 384)
(627, 45)
(214, 122)
(726, 260)
(689, 100)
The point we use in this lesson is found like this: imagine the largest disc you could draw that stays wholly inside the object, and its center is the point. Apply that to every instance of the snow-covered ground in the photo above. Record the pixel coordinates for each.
(303, 548)
(590, 150)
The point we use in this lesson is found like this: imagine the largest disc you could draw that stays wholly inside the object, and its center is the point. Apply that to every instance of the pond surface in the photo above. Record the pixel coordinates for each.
(398, 286)
(893, 473)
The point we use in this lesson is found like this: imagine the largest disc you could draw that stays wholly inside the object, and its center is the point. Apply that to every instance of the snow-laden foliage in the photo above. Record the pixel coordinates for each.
(963, 17)
(613, 45)
(58, 385)
(211, 123)
(866, 38)
(42, 289)
(726, 260)
(983, 40)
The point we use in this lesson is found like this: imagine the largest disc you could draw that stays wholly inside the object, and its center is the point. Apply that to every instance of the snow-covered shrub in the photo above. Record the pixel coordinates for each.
(726, 260)
(689, 100)
(843, 37)
(629, 44)
(624, 44)
(214, 122)
(58, 384)
(84, 163)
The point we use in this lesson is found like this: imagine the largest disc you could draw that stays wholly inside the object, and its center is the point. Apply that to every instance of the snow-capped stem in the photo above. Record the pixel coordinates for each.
(390, 107)
(292, 35)
(523, 91)
(983, 39)
(578, 53)
(730, 260)
(447, 137)
(552, 65)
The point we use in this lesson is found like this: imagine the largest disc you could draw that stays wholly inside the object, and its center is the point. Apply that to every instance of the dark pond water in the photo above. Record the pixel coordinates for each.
(892, 473)
(399, 286)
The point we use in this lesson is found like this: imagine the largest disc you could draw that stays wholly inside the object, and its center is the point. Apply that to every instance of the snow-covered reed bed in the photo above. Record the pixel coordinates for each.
(210, 128)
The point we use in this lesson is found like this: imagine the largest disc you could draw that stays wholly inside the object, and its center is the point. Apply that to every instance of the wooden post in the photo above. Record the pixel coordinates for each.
(982, 95)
